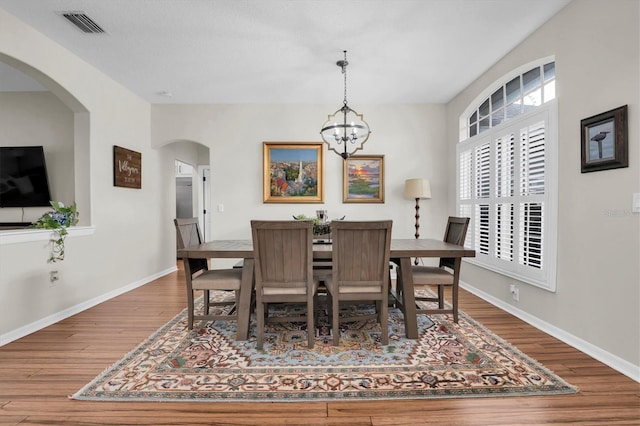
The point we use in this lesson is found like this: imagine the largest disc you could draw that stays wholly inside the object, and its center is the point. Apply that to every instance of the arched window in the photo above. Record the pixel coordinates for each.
(507, 175)
(517, 96)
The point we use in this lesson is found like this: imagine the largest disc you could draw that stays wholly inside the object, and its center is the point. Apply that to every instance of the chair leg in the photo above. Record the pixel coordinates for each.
(335, 319)
(190, 308)
(384, 322)
(399, 287)
(259, 324)
(454, 300)
(311, 329)
(237, 302)
(207, 302)
(440, 296)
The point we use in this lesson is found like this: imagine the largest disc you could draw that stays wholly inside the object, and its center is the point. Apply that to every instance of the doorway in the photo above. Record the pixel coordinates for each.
(184, 190)
(193, 195)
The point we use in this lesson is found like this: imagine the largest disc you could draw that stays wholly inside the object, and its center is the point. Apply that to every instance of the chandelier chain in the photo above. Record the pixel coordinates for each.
(344, 71)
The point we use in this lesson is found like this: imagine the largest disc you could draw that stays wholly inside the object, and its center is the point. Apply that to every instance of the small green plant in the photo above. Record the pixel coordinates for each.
(58, 221)
(318, 228)
(303, 216)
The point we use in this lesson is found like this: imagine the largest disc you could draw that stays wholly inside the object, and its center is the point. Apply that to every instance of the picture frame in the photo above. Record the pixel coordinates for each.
(282, 180)
(604, 141)
(363, 179)
(127, 168)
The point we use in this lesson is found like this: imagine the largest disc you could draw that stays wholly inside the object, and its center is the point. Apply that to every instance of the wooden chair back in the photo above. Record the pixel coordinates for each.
(455, 233)
(283, 253)
(361, 251)
(188, 234)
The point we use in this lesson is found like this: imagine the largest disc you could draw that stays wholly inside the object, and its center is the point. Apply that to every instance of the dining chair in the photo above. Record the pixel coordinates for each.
(446, 274)
(360, 270)
(198, 277)
(283, 256)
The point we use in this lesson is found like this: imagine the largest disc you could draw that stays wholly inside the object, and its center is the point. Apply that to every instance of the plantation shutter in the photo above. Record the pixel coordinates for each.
(503, 187)
(532, 174)
(505, 190)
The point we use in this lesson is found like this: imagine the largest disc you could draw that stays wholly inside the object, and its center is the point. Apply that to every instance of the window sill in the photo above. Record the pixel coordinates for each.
(548, 285)
(17, 236)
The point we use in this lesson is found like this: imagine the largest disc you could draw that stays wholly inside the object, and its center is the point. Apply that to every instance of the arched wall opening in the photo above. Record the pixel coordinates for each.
(67, 160)
(197, 156)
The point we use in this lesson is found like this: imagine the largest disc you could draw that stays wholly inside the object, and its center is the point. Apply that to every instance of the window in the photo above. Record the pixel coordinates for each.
(517, 96)
(507, 177)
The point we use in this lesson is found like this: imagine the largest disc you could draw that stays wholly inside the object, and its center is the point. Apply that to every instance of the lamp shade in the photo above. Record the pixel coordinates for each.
(417, 188)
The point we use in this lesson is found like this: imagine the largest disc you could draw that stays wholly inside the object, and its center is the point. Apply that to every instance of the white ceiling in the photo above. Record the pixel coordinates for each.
(284, 51)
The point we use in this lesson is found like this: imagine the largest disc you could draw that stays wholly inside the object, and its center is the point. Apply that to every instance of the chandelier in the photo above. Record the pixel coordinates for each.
(345, 131)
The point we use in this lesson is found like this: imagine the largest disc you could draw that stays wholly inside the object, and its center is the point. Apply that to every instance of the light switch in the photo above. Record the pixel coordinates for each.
(220, 208)
(635, 206)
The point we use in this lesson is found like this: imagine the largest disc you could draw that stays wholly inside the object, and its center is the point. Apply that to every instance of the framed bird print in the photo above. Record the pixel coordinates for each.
(604, 143)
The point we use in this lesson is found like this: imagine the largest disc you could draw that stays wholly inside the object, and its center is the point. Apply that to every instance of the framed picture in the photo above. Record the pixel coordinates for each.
(604, 141)
(127, 168)
(293, 172)
(363, 179)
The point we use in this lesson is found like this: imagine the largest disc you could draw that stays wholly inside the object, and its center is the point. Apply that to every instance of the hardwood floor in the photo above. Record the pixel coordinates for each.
(38, 372)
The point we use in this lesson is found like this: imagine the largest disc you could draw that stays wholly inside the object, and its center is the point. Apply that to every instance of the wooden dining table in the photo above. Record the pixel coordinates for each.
(402, 251)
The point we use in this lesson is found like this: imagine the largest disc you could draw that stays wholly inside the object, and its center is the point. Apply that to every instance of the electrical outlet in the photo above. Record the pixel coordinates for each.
(54, 276)
(515, 292)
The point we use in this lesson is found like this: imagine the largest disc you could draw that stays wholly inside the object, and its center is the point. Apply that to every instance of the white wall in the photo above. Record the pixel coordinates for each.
(596, 45)
(133, 239)
(411, 137)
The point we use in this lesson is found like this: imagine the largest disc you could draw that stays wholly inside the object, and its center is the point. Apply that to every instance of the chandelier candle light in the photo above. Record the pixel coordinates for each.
(417, 188)
(345, 131)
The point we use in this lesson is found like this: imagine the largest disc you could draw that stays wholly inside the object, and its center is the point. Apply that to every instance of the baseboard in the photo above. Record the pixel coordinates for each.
(59, 316)
(625, 367)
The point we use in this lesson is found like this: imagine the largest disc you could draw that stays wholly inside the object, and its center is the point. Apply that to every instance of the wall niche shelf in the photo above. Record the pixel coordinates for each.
(17, 236)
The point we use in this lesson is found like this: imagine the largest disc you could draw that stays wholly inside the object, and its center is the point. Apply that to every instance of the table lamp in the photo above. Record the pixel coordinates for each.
(417, 188)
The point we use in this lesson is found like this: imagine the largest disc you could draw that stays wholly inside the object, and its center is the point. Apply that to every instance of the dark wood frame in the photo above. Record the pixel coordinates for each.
(268, 196)
(611, 127)
(346, 181)
(127, 168)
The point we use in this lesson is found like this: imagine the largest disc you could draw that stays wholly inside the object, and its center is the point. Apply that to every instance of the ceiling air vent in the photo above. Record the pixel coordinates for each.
(83, 22)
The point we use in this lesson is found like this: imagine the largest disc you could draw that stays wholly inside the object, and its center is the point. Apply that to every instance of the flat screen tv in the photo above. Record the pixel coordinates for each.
(23, 177)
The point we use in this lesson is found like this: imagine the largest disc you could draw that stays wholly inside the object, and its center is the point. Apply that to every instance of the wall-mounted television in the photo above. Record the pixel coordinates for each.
(23, 177)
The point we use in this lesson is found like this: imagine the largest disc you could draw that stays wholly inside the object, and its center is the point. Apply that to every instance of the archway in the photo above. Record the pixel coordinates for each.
(77, 155)
(196, 156)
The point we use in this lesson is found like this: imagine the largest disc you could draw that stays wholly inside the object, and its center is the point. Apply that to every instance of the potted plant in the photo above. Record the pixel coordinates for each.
(320, 230)
(58, 221)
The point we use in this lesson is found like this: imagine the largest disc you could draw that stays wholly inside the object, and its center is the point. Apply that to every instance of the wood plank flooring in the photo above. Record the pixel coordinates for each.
(39, 371)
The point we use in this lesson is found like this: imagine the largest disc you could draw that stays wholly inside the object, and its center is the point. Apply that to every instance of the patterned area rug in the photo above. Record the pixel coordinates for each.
(206, 364)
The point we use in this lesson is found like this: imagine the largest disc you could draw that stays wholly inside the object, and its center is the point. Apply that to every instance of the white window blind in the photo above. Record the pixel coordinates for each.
(507, 179)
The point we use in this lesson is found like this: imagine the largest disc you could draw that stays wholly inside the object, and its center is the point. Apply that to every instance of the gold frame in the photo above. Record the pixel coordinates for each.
(347, 197)
(288, 149)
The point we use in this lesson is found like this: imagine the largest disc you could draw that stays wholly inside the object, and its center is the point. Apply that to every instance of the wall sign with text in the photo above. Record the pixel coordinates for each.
(127, 168)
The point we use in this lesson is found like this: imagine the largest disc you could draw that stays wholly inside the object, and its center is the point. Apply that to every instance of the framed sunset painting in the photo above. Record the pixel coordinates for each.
(363, 179)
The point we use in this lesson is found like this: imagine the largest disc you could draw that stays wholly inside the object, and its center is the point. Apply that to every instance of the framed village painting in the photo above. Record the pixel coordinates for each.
(363, 179)
(293, 172)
